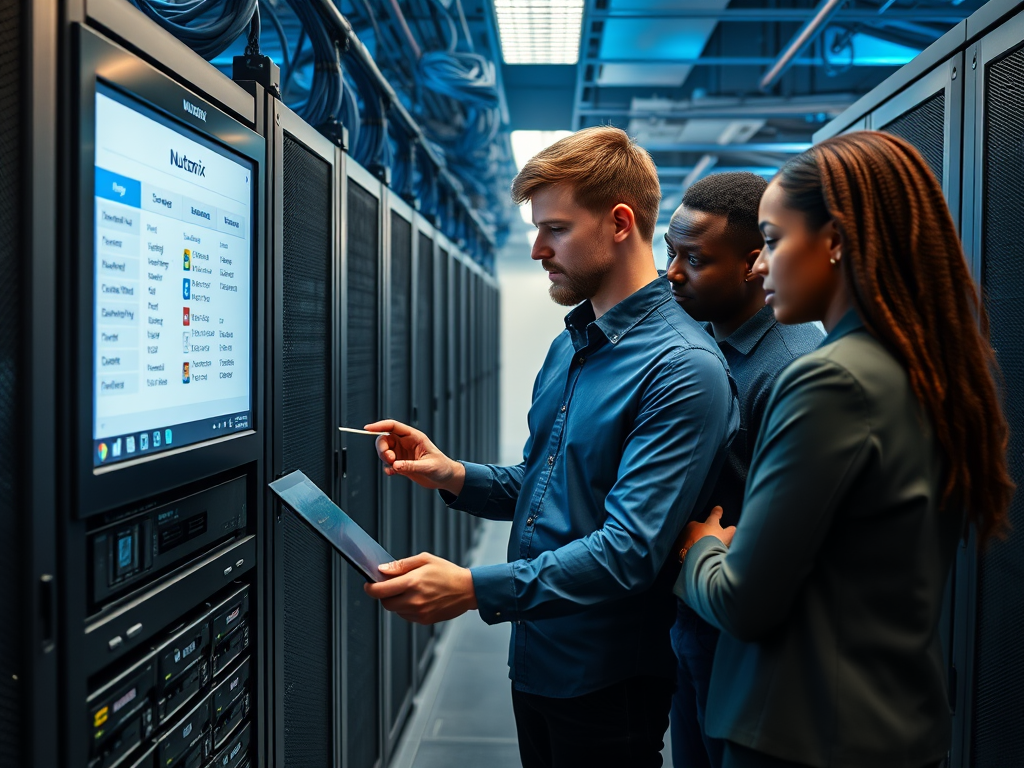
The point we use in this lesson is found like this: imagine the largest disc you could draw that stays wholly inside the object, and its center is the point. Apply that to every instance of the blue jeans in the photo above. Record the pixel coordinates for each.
(694, 642)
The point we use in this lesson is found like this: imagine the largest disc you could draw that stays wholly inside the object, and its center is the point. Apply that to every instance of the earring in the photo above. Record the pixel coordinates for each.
(833, 261)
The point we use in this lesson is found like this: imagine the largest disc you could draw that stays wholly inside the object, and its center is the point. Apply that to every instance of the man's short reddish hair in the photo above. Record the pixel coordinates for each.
(604, 167)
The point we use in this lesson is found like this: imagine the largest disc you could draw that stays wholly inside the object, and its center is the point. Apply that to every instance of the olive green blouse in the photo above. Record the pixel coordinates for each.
(830, 594)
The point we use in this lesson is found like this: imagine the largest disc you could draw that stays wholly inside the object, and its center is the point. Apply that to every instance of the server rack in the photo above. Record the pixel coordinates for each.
(28, 423)
(216, 483)
(306, 376)
(424, 411)
(363, 683)
(990, 604)
(325, 353)
(958, 102)
(397, 492)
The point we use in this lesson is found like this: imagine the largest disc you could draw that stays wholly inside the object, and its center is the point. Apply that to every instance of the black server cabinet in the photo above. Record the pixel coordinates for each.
(29, 730)
(442, 386)
(466, 426)
(424, 405)
(450, 333)
(185, 595)
(460, 421)
(397, 494)
(990, 601)
(362, 683)
(928, 114)
(305, 376)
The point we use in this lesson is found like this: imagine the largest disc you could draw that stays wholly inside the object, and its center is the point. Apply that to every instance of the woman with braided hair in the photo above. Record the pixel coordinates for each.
(876, 450)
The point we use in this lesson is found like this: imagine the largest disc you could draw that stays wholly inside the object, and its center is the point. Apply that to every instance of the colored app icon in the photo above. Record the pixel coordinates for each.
(185, 316)
(156, 439)
(186, 289)
(129, 444)
(144, 441)
(186, 342)
(187, 260)
(101, 449)
(115, 449)
(185, 376)
(167, 437)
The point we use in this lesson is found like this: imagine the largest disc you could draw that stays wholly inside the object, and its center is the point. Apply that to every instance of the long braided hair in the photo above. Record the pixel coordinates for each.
(911, 284)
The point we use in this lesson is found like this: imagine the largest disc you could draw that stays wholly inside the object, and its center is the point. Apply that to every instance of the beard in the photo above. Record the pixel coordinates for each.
(577, 286)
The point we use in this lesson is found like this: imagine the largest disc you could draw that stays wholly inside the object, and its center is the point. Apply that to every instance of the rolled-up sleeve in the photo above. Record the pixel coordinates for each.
(685, 420)
(815, 441)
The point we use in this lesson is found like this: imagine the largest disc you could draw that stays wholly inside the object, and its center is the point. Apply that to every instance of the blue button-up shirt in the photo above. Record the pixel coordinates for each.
(631, 415)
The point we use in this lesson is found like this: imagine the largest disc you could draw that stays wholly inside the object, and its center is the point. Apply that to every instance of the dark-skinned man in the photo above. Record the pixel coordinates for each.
(713, 241)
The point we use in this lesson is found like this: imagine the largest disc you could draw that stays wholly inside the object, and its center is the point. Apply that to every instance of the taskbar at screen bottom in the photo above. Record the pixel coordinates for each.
(115, 448)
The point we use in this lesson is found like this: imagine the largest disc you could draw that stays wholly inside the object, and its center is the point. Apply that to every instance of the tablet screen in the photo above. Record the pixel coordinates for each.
(362, 551)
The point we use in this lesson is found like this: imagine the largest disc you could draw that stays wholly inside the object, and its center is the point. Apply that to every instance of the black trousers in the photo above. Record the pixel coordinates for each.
(621, 726)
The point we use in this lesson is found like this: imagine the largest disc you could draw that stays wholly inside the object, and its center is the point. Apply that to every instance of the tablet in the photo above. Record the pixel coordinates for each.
(361, 550)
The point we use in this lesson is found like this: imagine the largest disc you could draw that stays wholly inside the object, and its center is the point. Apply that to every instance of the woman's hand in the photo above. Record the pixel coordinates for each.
(695, 531)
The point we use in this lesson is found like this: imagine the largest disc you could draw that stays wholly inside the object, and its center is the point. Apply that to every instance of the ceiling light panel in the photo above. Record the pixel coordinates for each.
(539, 31)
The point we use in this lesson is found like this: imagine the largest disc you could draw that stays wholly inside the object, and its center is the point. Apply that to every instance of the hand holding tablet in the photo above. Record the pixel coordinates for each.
(361, 550)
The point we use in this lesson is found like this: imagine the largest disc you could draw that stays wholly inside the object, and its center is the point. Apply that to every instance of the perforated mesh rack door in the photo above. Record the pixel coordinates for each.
(445, 436)
(306, 445)
(997, 736)
(423, 403)
(924, 126)
(400, 407)
(12, 473)
(362, 497)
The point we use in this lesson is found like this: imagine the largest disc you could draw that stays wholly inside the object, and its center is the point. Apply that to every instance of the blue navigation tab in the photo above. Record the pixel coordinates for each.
(121, 189)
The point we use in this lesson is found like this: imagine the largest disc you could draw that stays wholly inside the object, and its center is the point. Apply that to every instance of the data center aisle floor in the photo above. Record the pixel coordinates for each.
(463, 714)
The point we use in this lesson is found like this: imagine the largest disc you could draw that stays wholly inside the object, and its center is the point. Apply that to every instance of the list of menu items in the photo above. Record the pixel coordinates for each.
(173, 261)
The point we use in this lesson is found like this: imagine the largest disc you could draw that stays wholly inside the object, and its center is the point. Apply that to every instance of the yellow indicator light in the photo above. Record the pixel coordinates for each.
(100, 717)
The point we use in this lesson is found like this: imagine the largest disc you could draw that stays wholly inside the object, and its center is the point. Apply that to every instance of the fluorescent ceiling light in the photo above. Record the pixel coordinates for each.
(539, 31)
(526, 144)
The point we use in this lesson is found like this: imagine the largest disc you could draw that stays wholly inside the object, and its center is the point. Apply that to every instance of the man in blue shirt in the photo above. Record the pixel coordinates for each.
(632, 411)
(713, 241)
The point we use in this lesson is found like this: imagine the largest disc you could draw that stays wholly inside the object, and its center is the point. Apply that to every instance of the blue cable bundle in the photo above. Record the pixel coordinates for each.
(327, 90)
(208, 27)
(371, 147)
(468, 78)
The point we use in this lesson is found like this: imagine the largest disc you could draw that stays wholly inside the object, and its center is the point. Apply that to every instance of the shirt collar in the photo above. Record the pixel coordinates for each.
(849, 323)
(624, 316)
(747, 336)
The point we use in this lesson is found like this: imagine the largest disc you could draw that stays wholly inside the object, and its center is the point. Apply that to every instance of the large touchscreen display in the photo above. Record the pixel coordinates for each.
(173, 263)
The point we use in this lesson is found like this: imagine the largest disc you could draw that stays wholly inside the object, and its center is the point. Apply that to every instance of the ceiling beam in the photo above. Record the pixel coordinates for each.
(767, 108)
(707, 61)
(704, 148)
(823, 14)
(678, 171)
(794, 15)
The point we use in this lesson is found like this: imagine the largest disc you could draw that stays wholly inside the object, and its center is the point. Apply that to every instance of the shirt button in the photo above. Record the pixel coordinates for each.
(580, 359)
(551, 460)
(529, 521)
(615, 337)
(563, 409)
(497, 614)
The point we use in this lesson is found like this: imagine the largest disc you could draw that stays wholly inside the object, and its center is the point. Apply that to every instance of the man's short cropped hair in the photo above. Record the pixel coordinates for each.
(604, 167)
(733, 194)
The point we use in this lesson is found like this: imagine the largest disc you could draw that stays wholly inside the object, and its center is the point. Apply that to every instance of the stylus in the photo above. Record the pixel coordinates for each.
(355, 431)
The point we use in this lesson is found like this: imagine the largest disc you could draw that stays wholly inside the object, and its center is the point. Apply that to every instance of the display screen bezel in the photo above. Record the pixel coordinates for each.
(143, 109)
(113, 484)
